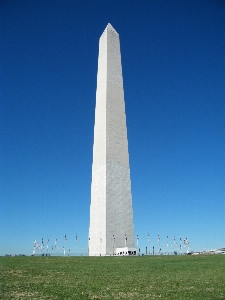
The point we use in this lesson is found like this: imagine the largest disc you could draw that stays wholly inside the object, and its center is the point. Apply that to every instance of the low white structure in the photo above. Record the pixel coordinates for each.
(111, 215)
(126, 251)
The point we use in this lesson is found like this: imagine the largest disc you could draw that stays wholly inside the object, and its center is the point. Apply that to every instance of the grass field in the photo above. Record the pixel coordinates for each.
(147, 277)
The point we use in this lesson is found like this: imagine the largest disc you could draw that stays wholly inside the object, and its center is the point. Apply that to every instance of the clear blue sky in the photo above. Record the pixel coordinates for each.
(173, 59)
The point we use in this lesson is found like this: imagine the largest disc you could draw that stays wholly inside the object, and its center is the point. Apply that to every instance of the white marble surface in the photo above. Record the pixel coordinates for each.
(111, 200)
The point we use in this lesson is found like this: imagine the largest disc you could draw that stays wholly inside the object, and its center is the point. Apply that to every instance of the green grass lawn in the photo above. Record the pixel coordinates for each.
(147, 277)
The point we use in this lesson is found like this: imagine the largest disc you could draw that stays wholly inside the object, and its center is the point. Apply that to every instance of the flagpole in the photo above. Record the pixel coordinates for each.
(113, 244)
(34, 247)
(174, 242)
(159, 243)
(167, 245)
(76, 243)
(65, 245)
(180, 245)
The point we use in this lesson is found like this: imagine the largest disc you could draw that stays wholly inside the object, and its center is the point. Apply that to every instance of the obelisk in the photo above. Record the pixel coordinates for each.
(111, 214)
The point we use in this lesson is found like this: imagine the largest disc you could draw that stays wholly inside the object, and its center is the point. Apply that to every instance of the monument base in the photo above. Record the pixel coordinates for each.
(125, 251)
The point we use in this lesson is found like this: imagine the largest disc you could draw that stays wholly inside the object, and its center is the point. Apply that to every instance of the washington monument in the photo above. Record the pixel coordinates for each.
(111, 215)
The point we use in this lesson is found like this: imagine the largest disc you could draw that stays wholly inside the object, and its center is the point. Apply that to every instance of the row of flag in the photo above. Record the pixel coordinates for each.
(176, 245)
(167, 239)
(41, 246)
(186, 241)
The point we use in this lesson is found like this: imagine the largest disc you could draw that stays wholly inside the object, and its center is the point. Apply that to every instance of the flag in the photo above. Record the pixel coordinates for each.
(77, 238)
(187, 243)
(148, 237)
(65, 238)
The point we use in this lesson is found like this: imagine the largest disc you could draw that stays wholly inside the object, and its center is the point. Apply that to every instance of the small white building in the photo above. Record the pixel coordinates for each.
(126, 251)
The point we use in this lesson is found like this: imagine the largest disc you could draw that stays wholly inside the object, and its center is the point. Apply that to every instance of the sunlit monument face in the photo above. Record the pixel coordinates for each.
(111, 216)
